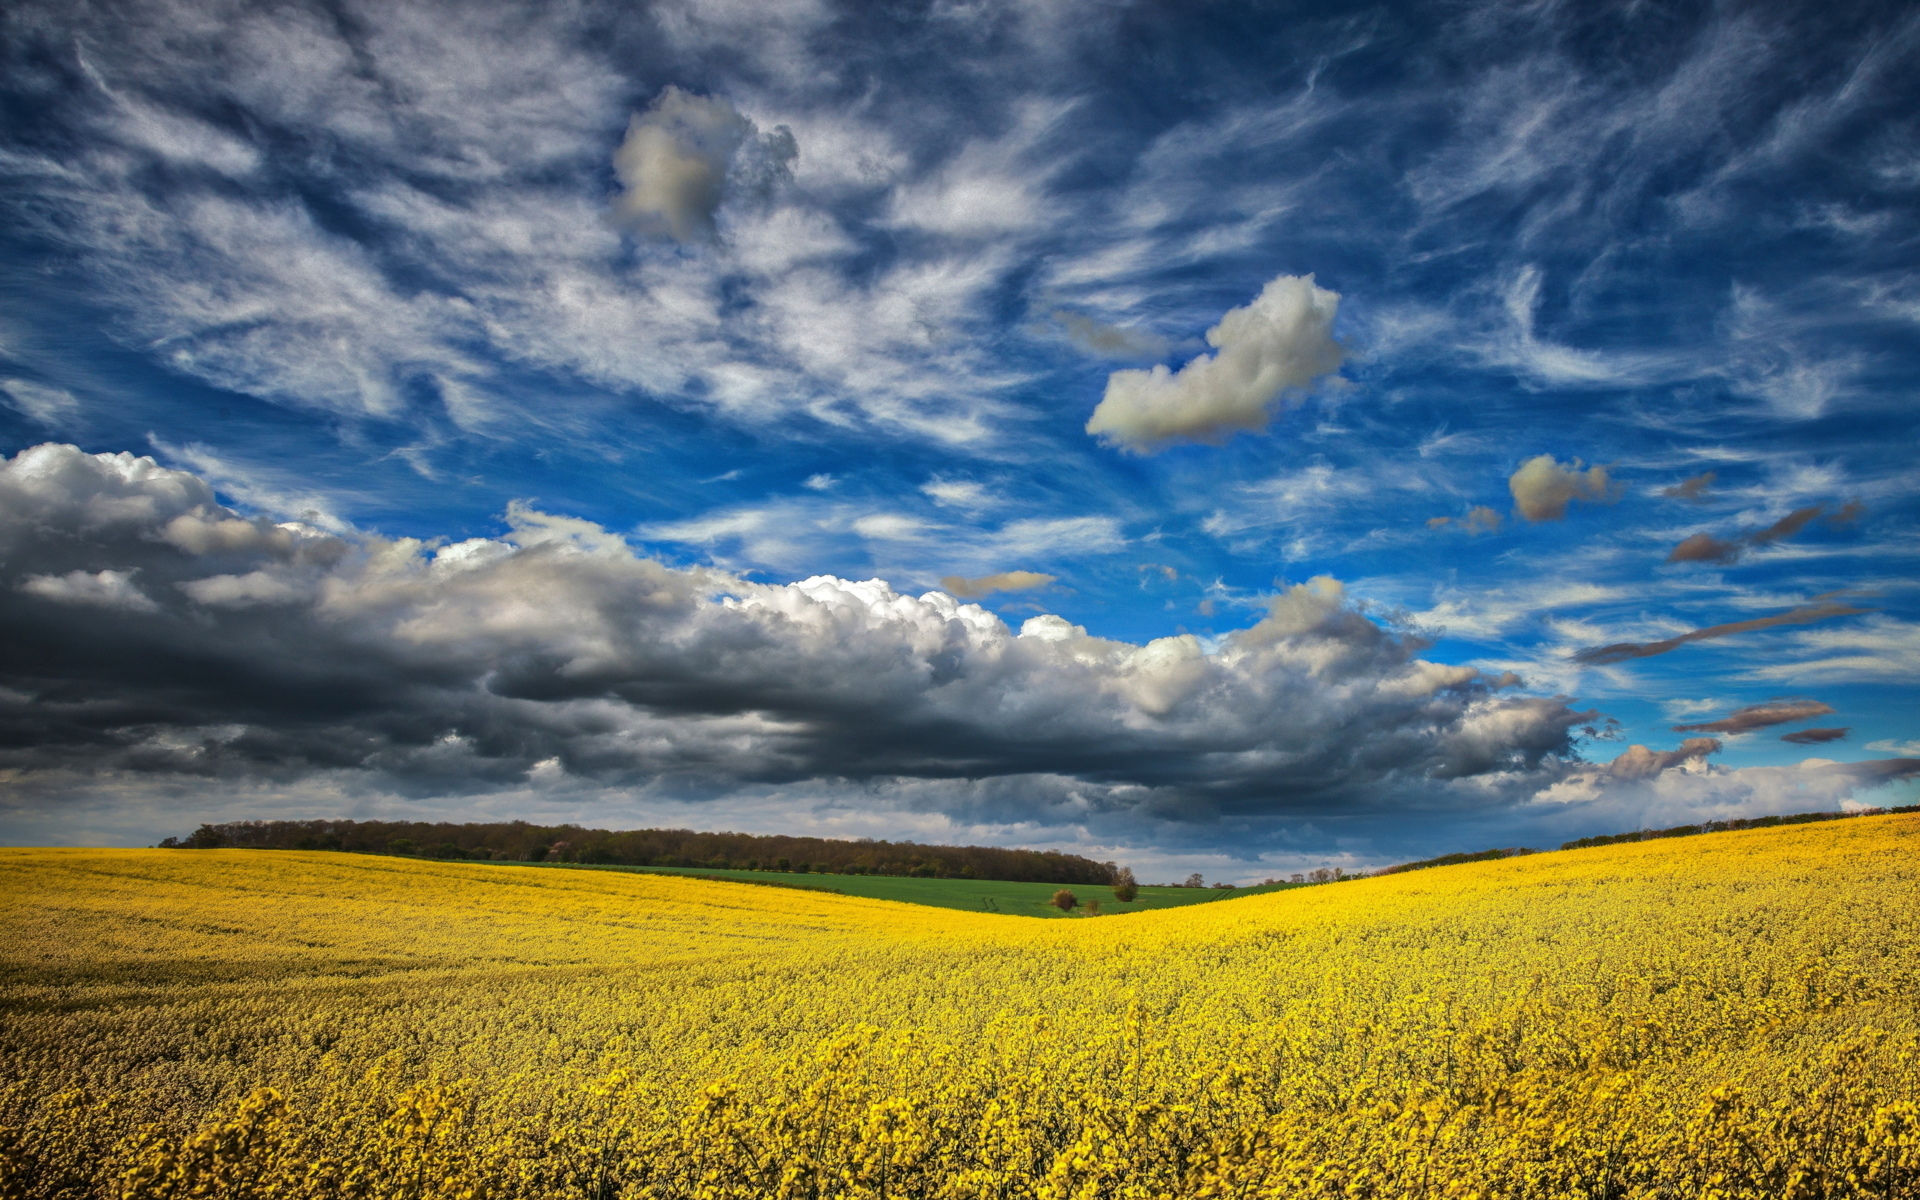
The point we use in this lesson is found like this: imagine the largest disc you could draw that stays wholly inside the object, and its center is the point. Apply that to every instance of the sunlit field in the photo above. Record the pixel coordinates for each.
(1731, 1015)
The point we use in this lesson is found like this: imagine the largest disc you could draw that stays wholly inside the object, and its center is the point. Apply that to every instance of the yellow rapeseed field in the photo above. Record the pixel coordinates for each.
(1730, 1015)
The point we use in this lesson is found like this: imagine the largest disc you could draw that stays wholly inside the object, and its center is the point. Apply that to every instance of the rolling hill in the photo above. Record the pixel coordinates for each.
(1731, 1015)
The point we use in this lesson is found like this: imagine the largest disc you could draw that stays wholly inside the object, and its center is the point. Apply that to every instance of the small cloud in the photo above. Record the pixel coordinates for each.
(675, 160)
(1479, 519)
(1542, 488)
(1109, 341)
(890, 527)
(1282, 340)
(1702, 547)
(1641, 763)
(1806, 614)
(1909, 749)
(102, 589)
(239, 591)
(986, 585)
(1813, 737)
(47, 405)
(956, 493)
(1693, 488)
(1786, 526)
(819, 483)
(1760, 716)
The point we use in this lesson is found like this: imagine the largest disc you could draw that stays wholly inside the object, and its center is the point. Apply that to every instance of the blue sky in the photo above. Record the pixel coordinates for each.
(1389, 352)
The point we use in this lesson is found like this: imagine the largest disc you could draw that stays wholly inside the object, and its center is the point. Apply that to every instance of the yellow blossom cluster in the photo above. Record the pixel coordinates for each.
(1712, 1017)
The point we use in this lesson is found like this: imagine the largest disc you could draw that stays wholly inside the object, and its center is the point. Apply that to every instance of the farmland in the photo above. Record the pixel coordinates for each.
(1731, 1016)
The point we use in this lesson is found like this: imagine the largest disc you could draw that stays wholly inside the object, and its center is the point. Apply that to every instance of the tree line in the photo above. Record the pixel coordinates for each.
(1645, 835)
(519, 841)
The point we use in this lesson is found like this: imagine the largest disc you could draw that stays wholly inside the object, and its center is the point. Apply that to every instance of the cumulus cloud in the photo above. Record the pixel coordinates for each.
(436, 669)
(1814, 737)
(1641, 763)
(1760, 716)
(1542, 488)
(1282, 340)
(675, 162)
(1693, 488)
(1806, 614)
(986, 585)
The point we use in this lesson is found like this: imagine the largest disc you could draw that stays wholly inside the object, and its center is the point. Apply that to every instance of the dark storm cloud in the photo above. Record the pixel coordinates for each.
(154, 630)
(1806, 614)
(1760, 716)
(1814, 737)
(1702, 547)
(1693, 488)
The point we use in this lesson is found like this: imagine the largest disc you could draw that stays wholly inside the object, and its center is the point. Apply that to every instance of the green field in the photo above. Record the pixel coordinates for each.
(972, 895)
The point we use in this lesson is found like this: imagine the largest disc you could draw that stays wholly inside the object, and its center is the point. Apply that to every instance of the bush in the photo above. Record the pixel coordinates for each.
(1126, 892)
(1065, 900)
(400, 846)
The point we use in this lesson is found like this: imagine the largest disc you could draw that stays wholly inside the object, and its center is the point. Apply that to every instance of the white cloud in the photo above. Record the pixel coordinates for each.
(47, 405)
(1691, 791)
(1904, 749)
(98, 589)
(991, 187)
(1282, 340)
(957, 493)
(1053, 537)
(1877, 649)
(890, 526)
(240, 591)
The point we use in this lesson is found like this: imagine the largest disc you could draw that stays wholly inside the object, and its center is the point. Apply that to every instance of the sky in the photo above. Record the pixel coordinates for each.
(1224, 437)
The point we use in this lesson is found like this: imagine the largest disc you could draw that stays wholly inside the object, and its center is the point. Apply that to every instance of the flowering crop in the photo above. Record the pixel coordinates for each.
(1718, 1017)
